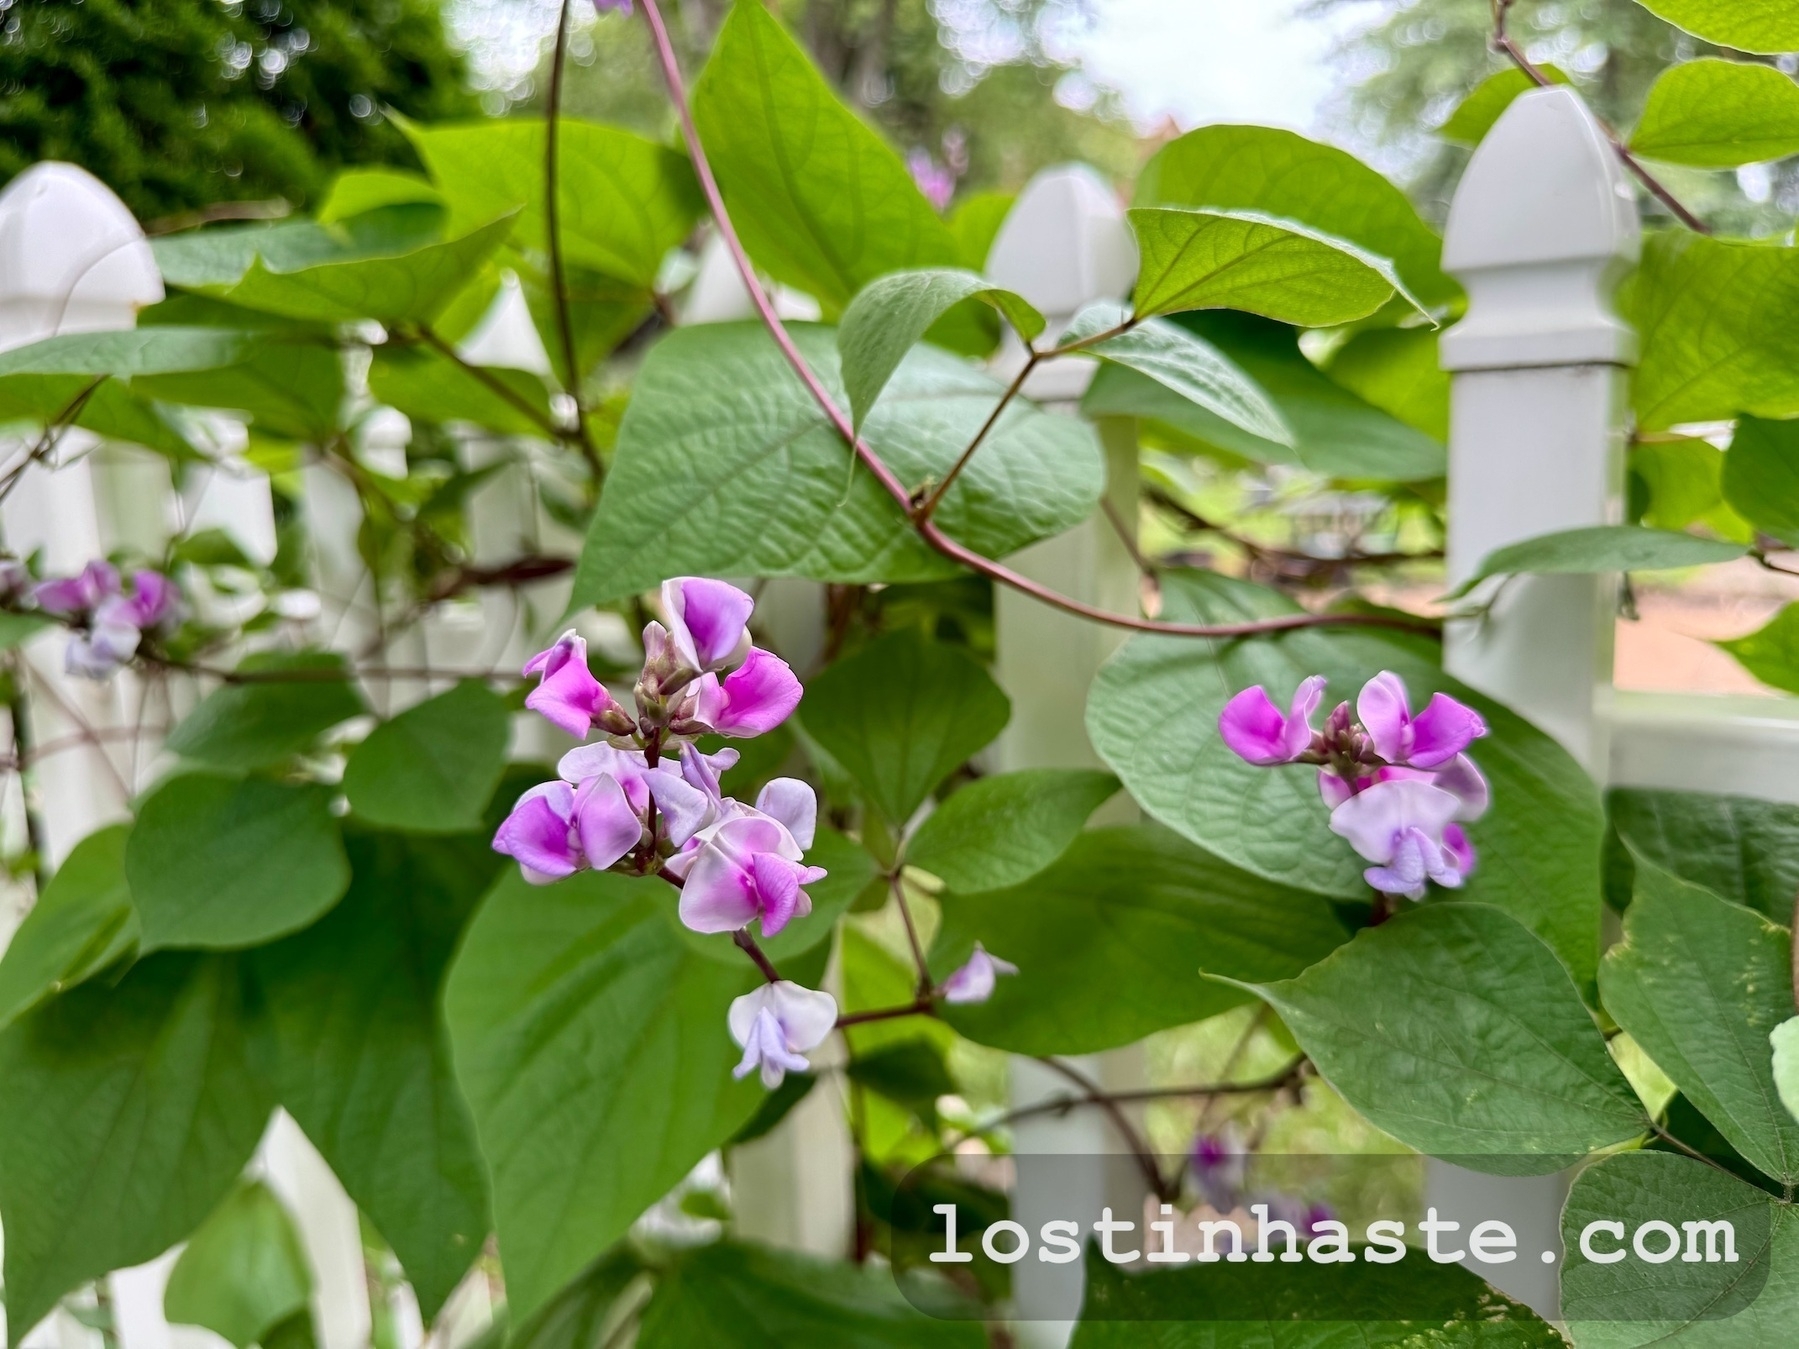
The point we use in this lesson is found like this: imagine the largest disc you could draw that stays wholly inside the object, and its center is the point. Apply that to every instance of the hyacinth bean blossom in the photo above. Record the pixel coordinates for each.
(1399, 785)
(109, 624)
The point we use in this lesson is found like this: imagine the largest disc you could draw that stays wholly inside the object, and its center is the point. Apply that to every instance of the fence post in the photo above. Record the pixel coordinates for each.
(1542, 228)
(1064, 245)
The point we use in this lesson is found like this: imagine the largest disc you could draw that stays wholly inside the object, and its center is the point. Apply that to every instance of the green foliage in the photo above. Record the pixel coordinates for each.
(1292, 179)
(1398, 371)
(433, 767)
(80, 925)
(1183, 363)
(890, 315)
(1771, 652)
(731, 1296)
(1719, 114)
(820, 200)
(725, 464)
(1747, 25)
(1459, 1033)
(1761, 476)
(1000, 831)
(1374, 1306)
(1785, 1039)
(1108, 940)
(1601, 548)
(587, 1029)
(1742, 849)
(351, 1035)
(1153, 716)
(1475, 115)
(1241, 260)
(430, 387)
(221, 862)
(128, 1114)
(244, 1271)
(1700, 983)
(179, 105)
(263, 720)
(901, 715)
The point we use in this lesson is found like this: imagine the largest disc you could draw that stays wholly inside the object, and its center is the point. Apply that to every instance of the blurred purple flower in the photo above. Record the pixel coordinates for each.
(1219, 1163)
(612, 6)
(936, 182)
(975, 979)
(72, 596)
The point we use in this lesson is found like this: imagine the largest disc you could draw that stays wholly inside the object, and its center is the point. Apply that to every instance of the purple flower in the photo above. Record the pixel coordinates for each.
(1401, 826)
(936, 182)
(974, 981)
(708, 623)
(1220, 1165)
(568, 696)
(748, 865)
(1257, 731)
(1436, 735)
(776, 1025)
(615, 6)
(72, 596)
(756, 697)
(556, 829)
(104, 647)
(154, 603)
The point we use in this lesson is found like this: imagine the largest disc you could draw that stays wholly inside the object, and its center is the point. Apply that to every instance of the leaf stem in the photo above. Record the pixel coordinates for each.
(929, 505)
(498, 387)
(920, 1006)
(1108, 1102)
(927, 529)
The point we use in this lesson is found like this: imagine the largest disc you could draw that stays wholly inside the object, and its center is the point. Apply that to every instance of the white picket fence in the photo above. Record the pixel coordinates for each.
(1542, 228)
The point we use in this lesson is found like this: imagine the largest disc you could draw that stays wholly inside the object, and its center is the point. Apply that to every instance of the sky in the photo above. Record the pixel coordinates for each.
(1203, 61)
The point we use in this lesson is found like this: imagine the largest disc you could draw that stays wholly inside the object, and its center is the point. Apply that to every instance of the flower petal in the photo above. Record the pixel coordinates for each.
(719, 894)
(604, 821)
(536, 833)
(794, 804)
(1297, 735)
(1254, 729)
(1375, 820)
(1462, 780)
(1386, 715)
(1442, 731)
(754, 698)
(707, 621)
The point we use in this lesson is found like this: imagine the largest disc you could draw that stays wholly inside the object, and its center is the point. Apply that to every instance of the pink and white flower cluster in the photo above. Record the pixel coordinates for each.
(109, 623)
(644, 800)
(1399, 785)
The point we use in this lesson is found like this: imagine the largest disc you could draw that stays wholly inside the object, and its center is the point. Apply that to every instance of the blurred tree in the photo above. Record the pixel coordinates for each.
(967, 82)
(178, 104)
(1407, 71)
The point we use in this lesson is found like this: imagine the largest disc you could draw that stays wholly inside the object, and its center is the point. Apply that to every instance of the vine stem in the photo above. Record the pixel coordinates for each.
(1106, 1101)
(928, 529)
(552, 210)
(1508, 46)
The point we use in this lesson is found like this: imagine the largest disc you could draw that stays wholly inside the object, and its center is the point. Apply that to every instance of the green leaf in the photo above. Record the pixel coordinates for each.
(892, 314)
(1771, 652)
(725, 466)
(1334, 431)
(429, 387)
(820, 199)
(82, 923)
(1684, 478)
(576, 1318)
(1718, 115)
(18, 628)
(1475, 115)
(1253, 168)
(1153, 716)
(288, 389)
(1397, 370)
(223, 862)
(1785, 1040)
(433, 767)
(1000, 831)
(731, 1296)
(1108, 942)
(217, 258)
(1699, 1304)
(1412, 1305)
(77, 357)
(1761, 472)
(263, 721)
(352, 1037)
(1245, 260)
(1185, 363)
(1700, 983)
(1763, 26)
(244, 1270)
(1739, 847)
(356, 191)
(1457, 1031)
(975, 220)
(128, 1113)
(590, 1040)
(624, 201)
(413, 285)
(1601, 548)
(850, 868)
(901, 715)
(1719, 326)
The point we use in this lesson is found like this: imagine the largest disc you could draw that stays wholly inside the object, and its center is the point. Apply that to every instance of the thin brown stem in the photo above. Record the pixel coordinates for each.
(920, 1006)
(1106, 1101)
(497, 387)
(1688, 1148)
(53, 433)
(552, 207)
(1504, 43)
(747, 944)
(927, 529)
(898, 887)
(929, 505)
